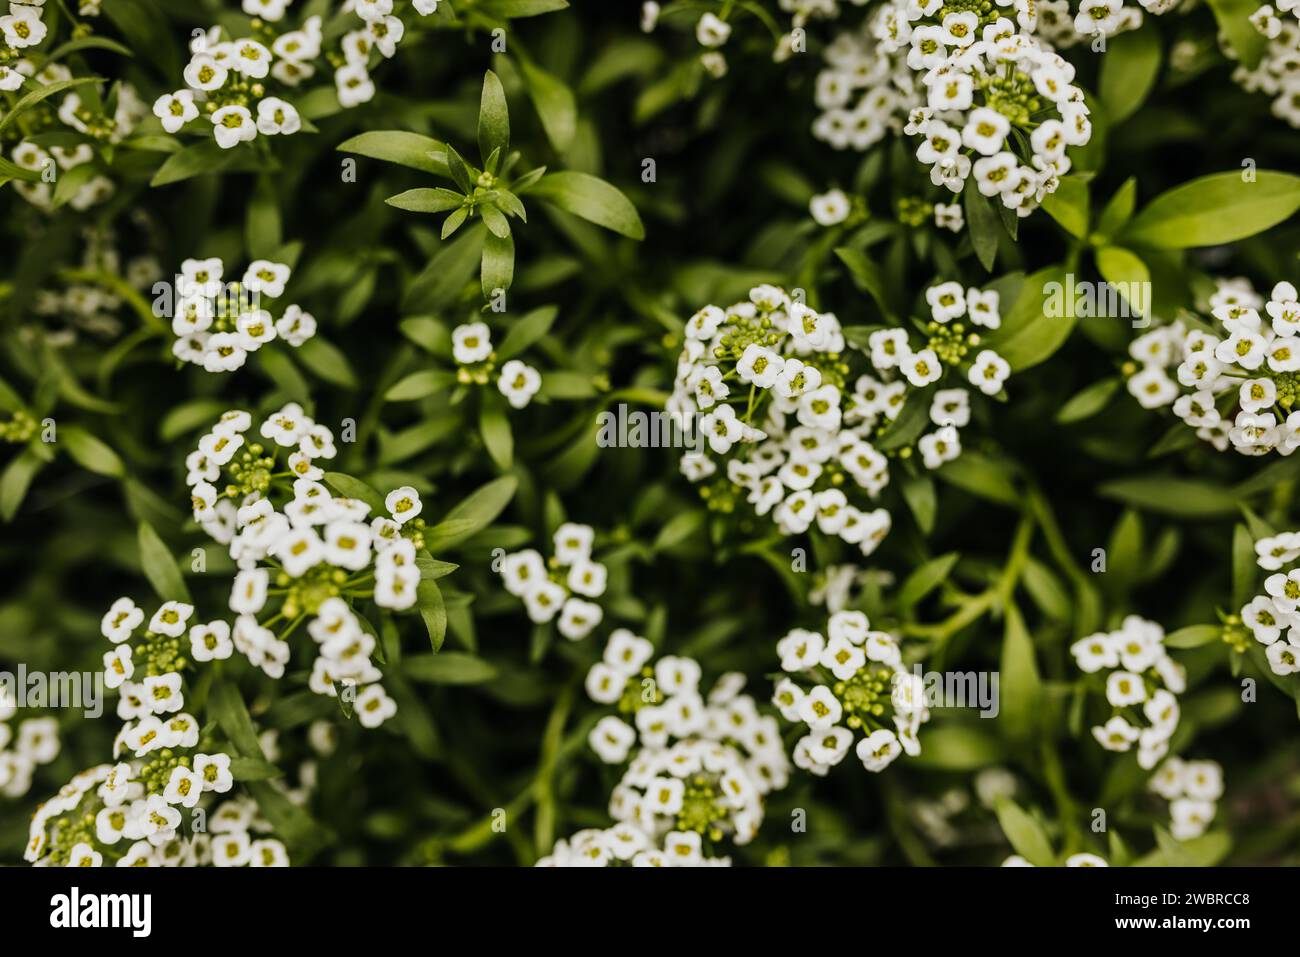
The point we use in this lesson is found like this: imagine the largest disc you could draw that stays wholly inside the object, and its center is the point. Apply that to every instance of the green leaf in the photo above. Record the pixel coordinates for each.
(918, 492)
(1125, 270)
(508, 9)
(498, 266)
(925, 579)
(1021, 687)
(1234, 21)
(327, 361)
(432, 608)
(193, 160)
(160, 566)
(1025, 834)
(592, 199)
(1244, 568)
(493, 118)
(1128, 71)
(1069, 206)
(959, 747)
(406, 149)
(91, 453)
(495, 429)
(1171, 495)
(1029, 334)
(17, 477)
(476, 512)
(526, 331)
(679, 529)
(1193, 636)
(227, 706)
(253, 769)
(1119, 209)
(354, 488)
(982, 225)
(1089, 401)
(554, 102)
(427, 200)
(30, 99)
(866, 275)
(279, 368)
(447, 274)
(984, 476)
(418, 385)
(1216, 209)
(448, 668)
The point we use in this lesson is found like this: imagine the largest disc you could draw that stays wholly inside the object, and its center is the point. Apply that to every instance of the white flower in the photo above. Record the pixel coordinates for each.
(23, 26)
(175, 109)
(612, 739)
(985, 132)
(947, 301)
(578, 618)
(820, 709)
(921, 368)
(233, 125)
(403, 504)
(573, 543)
(518, 382)
(879, 749)
(211, 641)
(353, 85)
(471, 343)
(989, 371)
(1124, 688)
(121, 620)
(722, 429)
(374, 707)
(830, 208)
(275, 116)
(1116, 735)
(710, 31)
(170, 619)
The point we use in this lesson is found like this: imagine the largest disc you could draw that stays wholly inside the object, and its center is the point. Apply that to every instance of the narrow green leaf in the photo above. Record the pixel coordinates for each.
(592, 199)
(159, 565)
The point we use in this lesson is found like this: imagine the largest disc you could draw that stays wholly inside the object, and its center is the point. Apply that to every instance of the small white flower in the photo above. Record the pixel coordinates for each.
(519, 382)
(830, 208)
(233, 125)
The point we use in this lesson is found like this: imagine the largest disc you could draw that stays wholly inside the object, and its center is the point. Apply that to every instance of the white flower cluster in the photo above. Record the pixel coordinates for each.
(1142, 686)
(1246, 365)
(113, 813)
(863, 93)
(989, 89)
(1093, 21)
(551, 589)
(69, 307)
(217, 324)
(850, 682)
(767, 383)
(140, 800)
(626, 845)
(471, 346)
(1276, 74)
(20, 30)
(226, 77)
(35, 743)
(1192, 789)
(703, 765)
(1277, 611)
(322, 551)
